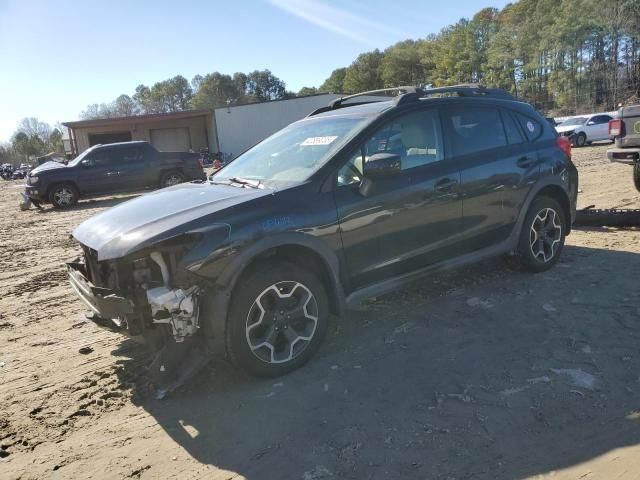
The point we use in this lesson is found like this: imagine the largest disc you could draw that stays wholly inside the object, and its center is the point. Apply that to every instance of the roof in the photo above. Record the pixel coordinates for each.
(410, 94)
(364, 109)
(149, 118)
(122, 144)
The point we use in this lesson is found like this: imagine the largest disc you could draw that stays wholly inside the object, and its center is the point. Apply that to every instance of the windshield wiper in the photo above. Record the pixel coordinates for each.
(247, 182)
(243, 182)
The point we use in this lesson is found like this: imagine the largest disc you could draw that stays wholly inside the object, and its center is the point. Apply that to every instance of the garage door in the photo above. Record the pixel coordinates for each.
(171, 139)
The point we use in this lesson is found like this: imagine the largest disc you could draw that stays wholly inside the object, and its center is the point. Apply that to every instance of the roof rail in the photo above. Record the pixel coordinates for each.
(465, 90)
(413, 94)
(338, 102)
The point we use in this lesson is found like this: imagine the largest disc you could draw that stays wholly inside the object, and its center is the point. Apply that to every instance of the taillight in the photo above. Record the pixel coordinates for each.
(565, 145)
(616, 128)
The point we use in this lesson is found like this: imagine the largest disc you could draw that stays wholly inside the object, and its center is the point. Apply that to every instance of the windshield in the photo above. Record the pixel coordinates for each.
(294, 153)
(79, 158)
(573, 121)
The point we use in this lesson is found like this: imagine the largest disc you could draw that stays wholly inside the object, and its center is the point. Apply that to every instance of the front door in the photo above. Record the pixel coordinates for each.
(407, 221)
(98, 174)
(598, 128)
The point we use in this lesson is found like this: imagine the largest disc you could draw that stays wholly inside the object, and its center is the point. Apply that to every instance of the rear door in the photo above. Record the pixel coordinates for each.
(497, 164)
(408, 221)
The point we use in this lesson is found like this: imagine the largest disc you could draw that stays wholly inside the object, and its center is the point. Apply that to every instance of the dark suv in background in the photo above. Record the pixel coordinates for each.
(353, 201)
(108, 169)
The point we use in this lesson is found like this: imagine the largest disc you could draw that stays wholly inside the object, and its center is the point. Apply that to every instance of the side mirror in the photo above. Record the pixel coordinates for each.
(85, 163)
(591, 122)
(382, 166)
(379, 167)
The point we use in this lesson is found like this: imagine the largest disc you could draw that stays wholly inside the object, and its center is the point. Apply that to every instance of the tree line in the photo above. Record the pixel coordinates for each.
(209, 91)
(563, 56)
(31, 139)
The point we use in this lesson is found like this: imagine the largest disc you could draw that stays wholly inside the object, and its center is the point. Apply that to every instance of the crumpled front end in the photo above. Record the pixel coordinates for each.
(147, 294)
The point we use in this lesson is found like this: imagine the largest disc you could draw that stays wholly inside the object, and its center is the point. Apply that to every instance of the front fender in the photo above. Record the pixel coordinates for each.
(225, 278)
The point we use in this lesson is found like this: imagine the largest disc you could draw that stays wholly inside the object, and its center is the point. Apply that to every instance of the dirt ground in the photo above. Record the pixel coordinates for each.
(481, 373)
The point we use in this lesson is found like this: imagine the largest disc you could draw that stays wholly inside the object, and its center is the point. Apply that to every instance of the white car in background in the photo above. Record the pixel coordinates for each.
(585, 129)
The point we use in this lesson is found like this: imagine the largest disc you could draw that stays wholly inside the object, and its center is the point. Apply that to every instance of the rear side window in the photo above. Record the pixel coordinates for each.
(531, 127)
(474, 129)
(600, 119)
(511, 128)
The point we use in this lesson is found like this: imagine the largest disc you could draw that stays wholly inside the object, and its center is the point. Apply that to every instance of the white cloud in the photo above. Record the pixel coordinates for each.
(336, 20)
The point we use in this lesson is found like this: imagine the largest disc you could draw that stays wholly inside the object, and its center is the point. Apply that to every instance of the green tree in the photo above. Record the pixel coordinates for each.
(304, 91)
(262, 85)
(218, 90)
(55, 141)
(364, 74)
(335, 82)
(401, 65)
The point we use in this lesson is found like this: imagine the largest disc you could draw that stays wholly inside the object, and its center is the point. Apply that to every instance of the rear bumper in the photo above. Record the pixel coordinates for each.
(628, 156)
(103, 302)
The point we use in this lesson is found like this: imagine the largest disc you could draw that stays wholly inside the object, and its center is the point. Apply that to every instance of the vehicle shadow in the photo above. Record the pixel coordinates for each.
(466, 374)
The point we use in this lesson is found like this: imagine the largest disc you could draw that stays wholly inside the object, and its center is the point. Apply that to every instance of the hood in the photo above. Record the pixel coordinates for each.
(157, 216)
(567, 128)
(48, 166)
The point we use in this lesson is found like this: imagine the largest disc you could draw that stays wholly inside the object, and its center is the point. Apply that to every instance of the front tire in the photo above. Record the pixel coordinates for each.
(171, 178)
(636, 176)
(63, 195)
(580, 140)
(543, 235)
(277, 320)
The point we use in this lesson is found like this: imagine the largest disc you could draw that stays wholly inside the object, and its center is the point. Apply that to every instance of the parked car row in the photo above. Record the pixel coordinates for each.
(10, 172)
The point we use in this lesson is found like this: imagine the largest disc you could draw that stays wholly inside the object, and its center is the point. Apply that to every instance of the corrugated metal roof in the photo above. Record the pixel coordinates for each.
(154, 117)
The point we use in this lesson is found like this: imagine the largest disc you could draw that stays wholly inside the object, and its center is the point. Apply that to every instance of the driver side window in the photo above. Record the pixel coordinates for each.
(98, 159)
(416, 137)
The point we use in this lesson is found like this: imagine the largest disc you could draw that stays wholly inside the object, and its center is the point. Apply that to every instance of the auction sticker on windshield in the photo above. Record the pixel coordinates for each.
(318, 140)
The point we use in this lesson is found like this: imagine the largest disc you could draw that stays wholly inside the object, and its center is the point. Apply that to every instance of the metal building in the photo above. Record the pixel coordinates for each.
(242, 126)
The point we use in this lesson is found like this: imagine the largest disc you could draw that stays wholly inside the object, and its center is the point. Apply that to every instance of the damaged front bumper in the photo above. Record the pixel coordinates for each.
(104, 303)
(180, 351)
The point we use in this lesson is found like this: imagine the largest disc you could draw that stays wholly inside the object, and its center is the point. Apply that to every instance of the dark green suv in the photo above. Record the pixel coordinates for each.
(355, 200)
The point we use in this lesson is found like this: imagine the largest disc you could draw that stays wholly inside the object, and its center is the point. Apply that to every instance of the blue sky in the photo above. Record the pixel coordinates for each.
(58, 57)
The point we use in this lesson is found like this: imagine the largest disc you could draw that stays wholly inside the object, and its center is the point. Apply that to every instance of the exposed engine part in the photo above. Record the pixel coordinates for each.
(157, 257)
(179, 308)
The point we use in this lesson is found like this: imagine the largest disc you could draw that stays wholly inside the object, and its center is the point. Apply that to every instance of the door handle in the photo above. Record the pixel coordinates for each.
(113, 174)
(445, 184)
(524, 162)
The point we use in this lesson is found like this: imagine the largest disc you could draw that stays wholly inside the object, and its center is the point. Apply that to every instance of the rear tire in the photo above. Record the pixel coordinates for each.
(277, 320)
(542, 237)
(171, 178)
(636, 176)
(63, 195)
